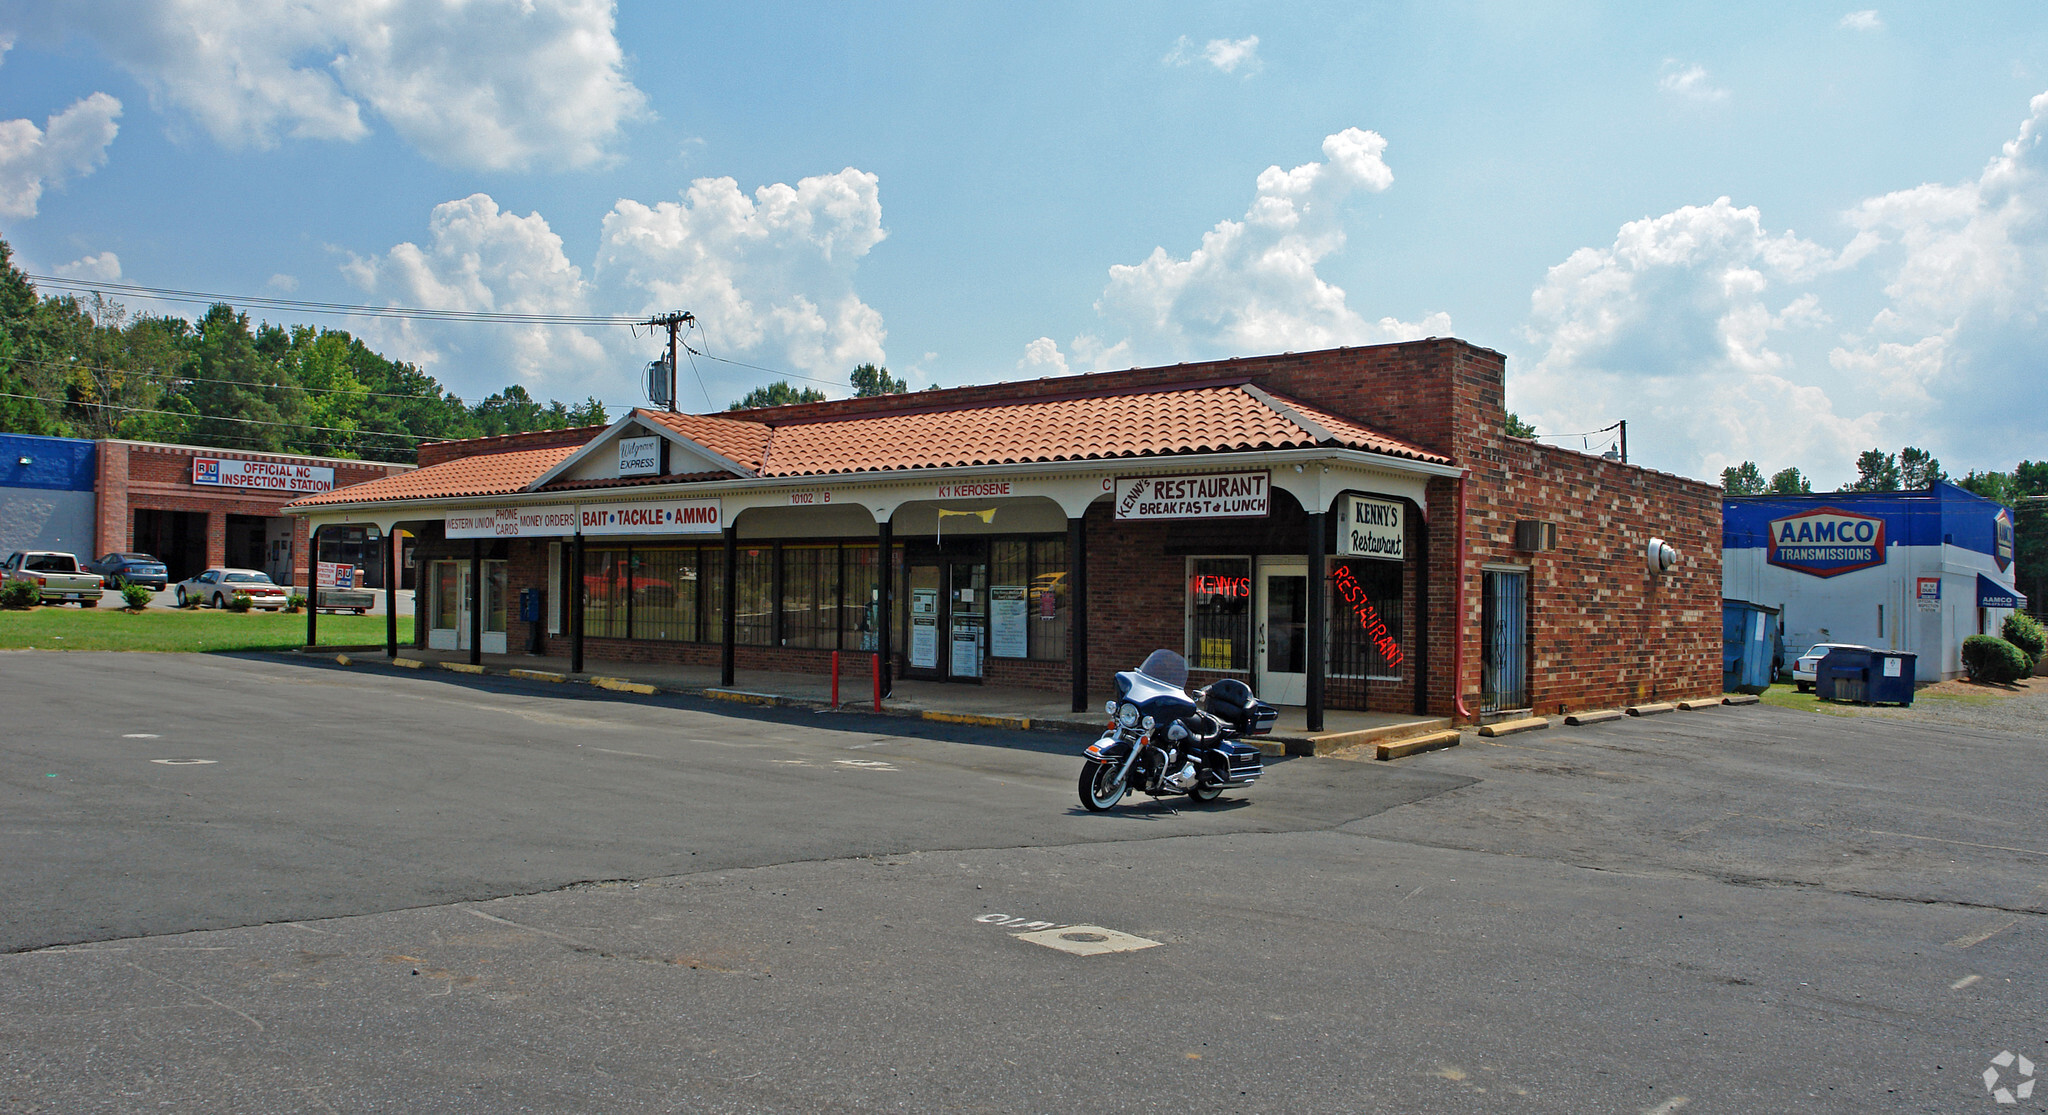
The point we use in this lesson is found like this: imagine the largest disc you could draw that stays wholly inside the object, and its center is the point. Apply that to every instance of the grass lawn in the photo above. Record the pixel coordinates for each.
(1786, 695)
(166, 629)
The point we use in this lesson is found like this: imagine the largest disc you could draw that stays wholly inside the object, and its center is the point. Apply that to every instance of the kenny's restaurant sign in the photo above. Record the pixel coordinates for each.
(674, 516)
(1827, 542)
(1216, 495)
(1370, 528)
(261, 476)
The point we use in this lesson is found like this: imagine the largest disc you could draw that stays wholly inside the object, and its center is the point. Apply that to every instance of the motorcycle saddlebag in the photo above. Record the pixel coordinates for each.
(1243, 762)
(1231, 701)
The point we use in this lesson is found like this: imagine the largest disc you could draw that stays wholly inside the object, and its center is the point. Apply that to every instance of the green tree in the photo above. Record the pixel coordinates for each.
(1996, 486)
(776, 394)
(870, 380)
(1744, 479)
(1918, 470)
(1788, 482)
(511, 411)
(1876, 471)
(1515, 427)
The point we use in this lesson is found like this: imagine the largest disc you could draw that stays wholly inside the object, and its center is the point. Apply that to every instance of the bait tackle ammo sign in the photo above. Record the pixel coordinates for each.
(1827, 542)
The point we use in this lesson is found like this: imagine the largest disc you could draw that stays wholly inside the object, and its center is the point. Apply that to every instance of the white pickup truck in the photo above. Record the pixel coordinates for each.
(58, 576)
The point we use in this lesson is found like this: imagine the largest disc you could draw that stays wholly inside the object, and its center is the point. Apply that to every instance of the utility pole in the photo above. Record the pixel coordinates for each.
(673, 321)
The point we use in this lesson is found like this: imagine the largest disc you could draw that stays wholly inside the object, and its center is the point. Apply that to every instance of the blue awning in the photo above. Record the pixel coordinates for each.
(1991, 594)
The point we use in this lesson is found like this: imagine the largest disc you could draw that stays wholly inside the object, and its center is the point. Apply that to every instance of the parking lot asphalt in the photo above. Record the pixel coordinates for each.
(412, 892)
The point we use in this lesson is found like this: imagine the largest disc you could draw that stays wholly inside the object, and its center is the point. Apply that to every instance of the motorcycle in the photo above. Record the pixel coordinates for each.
(1160, 741)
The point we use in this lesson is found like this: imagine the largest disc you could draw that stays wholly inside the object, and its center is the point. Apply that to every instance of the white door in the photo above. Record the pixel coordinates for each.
(1280, 621)
(494, 606)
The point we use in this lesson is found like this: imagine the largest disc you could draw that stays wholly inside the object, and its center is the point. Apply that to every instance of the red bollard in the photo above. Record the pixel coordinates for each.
(877, 659)
(835, 679)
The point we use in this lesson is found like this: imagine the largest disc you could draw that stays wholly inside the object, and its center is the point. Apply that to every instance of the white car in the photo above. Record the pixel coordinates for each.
(1807, 670)
(217, 586)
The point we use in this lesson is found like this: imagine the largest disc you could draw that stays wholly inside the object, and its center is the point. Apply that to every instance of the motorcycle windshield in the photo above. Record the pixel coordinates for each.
(1166, 668)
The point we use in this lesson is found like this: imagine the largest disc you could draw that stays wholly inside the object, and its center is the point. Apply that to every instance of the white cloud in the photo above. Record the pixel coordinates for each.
(1227, 55)
(1865, 20)
(104, 267)
(1678, 327)
(1690, 82)
(1043, 357)
(491, 84)
(769, 277)
(283, 282)
(71, 144)
(479, 258)
(1252, 286)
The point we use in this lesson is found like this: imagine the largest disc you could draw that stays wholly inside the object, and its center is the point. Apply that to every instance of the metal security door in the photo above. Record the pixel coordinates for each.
(1504, 642)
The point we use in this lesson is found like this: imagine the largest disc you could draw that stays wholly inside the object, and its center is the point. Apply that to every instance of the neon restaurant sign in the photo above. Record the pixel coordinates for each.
(1353, 595)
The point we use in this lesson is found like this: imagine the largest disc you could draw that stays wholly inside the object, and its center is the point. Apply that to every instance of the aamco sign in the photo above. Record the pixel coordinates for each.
(1827, 542)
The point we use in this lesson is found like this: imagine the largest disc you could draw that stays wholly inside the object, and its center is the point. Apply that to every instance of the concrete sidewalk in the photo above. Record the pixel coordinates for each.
(993, 706)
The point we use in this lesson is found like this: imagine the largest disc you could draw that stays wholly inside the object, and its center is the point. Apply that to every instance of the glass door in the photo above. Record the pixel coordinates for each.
(444, 587)
(967, 619)
(921, 652)
(1281, 616)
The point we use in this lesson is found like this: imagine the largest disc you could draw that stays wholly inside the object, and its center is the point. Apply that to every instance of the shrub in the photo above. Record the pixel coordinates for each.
(1990, 658)
(295, 603)
(2022, 631)
(20, 594)
(136, 596)
(241, 602)
(191, 603)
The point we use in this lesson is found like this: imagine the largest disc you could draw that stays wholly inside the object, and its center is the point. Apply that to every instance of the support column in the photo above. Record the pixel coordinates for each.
(312, 594)
(391, 592)
(729, 623)
(1318, 639)
(1077, 608)
(476, 602)
(885, 610)
(1420, 643)
(576, 605)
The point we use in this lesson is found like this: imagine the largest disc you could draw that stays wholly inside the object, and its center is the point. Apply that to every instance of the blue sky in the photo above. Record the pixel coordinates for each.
(1775, 232)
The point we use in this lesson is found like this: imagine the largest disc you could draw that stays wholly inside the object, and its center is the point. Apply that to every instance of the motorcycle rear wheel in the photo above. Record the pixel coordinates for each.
(1205, 793)
(1101, 788)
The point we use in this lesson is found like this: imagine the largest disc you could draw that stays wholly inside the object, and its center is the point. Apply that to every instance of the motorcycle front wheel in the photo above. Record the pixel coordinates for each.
(1101, 788)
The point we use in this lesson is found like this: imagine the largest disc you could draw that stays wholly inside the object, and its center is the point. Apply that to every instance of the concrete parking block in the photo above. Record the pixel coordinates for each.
(462, 667)
(1414, 745)
(1699, 703)
(1511, 727)
(1593, 716)
(1651, 709)
(537, 675)
(621, 685)
(1740, 699)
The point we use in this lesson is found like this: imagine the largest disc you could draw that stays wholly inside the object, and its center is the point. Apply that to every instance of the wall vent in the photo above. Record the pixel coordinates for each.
(1534, 535)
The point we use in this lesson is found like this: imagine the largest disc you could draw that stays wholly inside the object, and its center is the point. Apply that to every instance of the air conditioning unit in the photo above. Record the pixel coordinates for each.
(1534, 535)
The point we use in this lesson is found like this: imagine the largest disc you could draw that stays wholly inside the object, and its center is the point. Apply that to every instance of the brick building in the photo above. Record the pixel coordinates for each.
(1049, 533)
(192, 507)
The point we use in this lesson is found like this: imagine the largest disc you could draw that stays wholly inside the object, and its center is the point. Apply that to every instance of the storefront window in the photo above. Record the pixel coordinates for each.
(665, 593)
(810, 597)
(754, 623)
(494, 596)
(857, 614)
(711, 593)
(1219, 595)
(606, 575)
(1365, 620)
(1027, 589)
(445, 592)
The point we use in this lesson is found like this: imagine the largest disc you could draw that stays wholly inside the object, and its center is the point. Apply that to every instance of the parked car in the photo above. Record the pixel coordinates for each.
(58, 576)
(1806, 671)
(217, 586)
(131, 569)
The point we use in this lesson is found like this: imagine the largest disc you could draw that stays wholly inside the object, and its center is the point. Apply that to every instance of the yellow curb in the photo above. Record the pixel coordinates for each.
(1434, 741)
(538, 675)
(462, 667)
(1510, 727)
(1701, 703)
(408, 663)
(740, 696)
(1651, 709)
(621, 685)
(1741, 699)
(978, 719)
(342, 660)
(1594, 716)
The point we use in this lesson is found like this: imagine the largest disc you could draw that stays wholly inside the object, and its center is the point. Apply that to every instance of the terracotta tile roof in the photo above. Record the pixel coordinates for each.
(1196, 418)
(1211, 418)
(744, 442)
(487, 474)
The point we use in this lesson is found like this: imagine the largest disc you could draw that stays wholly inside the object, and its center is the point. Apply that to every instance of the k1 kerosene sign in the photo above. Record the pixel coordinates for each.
(1827, 542)
(1217, 495)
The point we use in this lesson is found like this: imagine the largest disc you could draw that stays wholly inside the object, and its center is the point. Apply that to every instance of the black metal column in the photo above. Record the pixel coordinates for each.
(885, 611)
(313, 588)
(1318, 637)
(576, 605)
(1077, 607)
(729, 623)
(391, 592)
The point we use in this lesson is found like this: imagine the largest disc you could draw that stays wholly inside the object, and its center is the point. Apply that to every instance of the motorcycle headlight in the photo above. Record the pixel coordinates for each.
(1109, 707)
(1150, 723)
(1127, 715)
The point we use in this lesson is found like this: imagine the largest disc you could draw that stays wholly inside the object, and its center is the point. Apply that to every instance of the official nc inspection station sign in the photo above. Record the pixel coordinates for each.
(1827, 542)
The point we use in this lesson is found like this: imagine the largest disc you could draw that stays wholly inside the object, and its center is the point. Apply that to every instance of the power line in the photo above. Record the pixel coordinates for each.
(223, 418)
(169, 294)
(148, 374)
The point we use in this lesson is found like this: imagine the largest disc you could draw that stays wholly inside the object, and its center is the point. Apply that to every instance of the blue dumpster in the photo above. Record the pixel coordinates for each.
(1748, 636)
(1844, 675)
(1891, 677)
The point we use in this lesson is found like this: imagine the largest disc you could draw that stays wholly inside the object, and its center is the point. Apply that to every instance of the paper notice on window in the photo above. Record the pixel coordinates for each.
(1007, 627)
